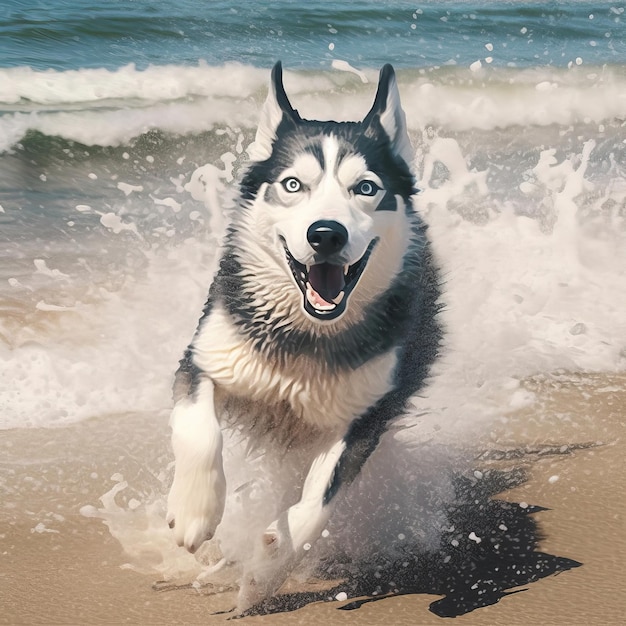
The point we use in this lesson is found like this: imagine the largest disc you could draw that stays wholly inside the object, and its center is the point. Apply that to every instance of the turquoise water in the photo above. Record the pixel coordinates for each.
(84, 34)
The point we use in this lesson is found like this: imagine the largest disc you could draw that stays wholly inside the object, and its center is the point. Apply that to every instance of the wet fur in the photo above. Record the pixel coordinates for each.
(258, 362)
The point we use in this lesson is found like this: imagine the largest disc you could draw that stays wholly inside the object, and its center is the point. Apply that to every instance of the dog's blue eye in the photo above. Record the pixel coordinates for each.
(291, 184)
(366, 188)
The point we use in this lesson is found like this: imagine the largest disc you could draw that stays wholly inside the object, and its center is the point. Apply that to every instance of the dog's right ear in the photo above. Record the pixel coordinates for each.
(276, 109)
(387, 114)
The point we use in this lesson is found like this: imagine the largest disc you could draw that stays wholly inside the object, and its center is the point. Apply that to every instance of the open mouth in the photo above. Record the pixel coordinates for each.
(326, 286)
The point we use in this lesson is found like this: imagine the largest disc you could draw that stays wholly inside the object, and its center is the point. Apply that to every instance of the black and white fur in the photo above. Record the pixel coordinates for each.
(319, 326)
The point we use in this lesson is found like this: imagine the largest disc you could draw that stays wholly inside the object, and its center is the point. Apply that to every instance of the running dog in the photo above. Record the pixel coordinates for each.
(320, 324)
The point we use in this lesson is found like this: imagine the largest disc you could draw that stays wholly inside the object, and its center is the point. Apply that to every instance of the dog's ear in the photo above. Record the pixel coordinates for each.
(386, 112)
(276, 109)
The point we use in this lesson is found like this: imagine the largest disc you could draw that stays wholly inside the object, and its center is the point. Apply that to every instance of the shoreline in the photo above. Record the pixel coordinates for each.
(60, 567)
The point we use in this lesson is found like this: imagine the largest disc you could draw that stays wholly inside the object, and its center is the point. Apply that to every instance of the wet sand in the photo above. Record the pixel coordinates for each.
(58, 566)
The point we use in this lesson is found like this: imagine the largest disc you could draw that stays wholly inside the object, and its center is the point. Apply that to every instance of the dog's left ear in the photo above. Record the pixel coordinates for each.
(276, 108)
(387, 112)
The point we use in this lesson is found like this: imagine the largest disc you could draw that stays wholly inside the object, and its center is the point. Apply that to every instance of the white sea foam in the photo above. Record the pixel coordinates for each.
(96, 362)
(108, 108)
(521, 300)
(155, 83)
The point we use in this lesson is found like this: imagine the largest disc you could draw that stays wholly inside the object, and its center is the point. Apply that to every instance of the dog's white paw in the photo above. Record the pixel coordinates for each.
(195, 505)
(272, 562)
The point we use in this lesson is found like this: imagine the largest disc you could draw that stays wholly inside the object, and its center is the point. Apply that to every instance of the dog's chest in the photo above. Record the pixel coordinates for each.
(323, 398)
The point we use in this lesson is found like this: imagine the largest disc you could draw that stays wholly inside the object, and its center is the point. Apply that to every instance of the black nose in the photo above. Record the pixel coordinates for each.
(327, 237)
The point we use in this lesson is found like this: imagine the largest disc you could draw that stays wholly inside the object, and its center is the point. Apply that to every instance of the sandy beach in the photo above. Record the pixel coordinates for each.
(59, 566)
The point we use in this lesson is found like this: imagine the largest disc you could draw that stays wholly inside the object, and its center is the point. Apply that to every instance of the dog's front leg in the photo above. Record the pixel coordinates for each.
(288, 538)
(196, 500)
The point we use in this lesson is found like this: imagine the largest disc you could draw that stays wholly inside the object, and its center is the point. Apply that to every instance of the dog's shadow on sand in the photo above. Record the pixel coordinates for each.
(486, 552)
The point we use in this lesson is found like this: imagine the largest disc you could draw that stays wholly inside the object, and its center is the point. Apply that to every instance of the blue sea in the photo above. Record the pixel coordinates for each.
(123, 132)
(66, 35)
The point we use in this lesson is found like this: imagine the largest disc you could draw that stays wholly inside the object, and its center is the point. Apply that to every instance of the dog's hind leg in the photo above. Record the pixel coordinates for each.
(196, 500)
(287, 539)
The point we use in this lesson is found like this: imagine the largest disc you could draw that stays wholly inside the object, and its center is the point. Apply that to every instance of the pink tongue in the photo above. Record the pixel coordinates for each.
(327, 280)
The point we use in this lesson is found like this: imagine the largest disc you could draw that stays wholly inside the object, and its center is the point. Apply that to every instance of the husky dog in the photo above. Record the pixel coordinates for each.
(320, 323)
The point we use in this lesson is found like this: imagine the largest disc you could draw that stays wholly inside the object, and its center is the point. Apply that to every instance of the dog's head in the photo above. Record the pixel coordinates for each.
(329, 201)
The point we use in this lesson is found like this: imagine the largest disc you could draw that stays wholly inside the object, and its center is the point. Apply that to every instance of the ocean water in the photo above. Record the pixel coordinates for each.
(123, 130)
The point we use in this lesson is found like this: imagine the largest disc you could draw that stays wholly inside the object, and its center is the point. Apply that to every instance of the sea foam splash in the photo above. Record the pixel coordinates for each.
(101, 107)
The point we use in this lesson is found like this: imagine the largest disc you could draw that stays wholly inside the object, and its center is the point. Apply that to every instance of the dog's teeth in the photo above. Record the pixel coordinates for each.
(339, 298)
(346, 269)
(311, 297)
